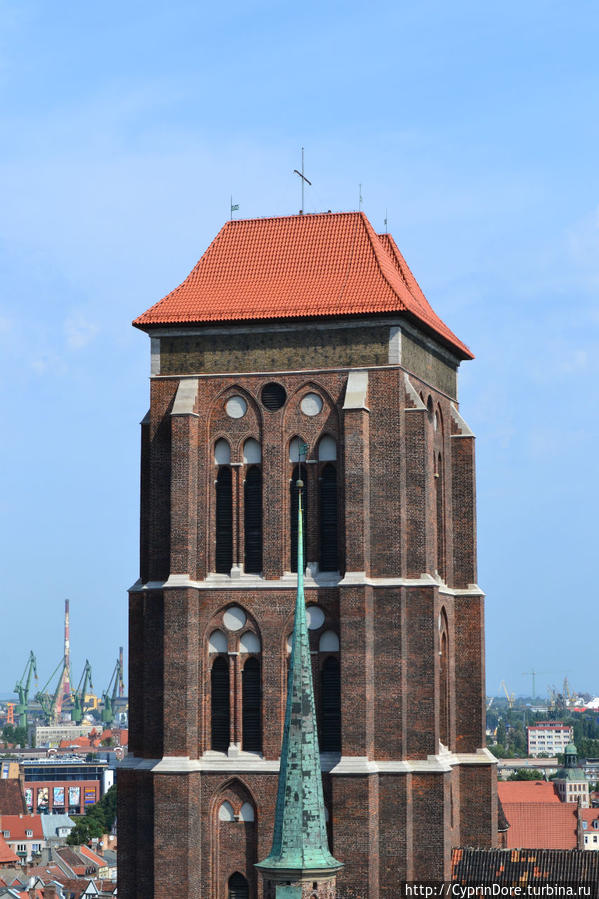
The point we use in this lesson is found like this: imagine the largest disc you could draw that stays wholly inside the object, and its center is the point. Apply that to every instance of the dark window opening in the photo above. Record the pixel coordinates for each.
(293, 504)
(444, 688)
(328, 518)
(224, 520)
(273, 396)
(220, 704)
(440, 518)
(251, 706)
(330, 740)
(253, 520)
(239, 888)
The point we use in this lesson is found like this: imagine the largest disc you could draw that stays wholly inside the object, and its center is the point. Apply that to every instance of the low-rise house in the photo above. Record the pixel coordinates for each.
(24, 835)
(590, 827)
(56, 829)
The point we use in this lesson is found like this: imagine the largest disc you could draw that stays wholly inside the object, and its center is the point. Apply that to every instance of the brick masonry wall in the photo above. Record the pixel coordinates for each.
(306, 347)
(389, 527)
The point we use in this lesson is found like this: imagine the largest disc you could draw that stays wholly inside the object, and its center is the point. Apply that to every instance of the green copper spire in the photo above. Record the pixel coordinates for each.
(300, 843)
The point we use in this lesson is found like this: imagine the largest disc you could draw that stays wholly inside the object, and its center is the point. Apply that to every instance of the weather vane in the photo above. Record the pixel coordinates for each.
(303, 179)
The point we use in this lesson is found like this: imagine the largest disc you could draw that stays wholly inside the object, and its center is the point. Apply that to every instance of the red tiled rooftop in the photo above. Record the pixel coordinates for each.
(93, 857)
(7, 856)
(526, 791)
(329, 264)
(12, 801)
(590, 815)
(19, 824)
(541, 825)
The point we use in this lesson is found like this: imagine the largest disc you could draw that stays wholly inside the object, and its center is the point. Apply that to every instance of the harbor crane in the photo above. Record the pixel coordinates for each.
(109, 699)
(52, 703)
(84, 686)
(22, 689)
(511, 697)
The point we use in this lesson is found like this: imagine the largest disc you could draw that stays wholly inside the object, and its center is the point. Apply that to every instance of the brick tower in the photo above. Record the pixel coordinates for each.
(306, 330)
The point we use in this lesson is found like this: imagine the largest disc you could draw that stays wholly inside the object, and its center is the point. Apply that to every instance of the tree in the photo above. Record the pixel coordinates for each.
(97, 820)
(526, 774)
(500, 734)
(13, 734)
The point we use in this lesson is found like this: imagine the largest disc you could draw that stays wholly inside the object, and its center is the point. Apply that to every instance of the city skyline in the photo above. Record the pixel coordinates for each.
(476, 142)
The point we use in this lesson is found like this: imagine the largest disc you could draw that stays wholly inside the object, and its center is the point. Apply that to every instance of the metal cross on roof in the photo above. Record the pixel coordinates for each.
(303, 180)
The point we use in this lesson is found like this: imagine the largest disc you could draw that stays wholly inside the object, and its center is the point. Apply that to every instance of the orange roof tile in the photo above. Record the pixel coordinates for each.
(18, 825)
(7, 856)
(526, 791)
(91, 855)
(590, 815)
(298, 266)
(541, 825)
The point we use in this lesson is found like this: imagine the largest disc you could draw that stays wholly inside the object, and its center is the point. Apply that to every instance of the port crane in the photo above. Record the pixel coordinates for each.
(22, 689)
(511, 697)
(52, 703)
(84, 686)
(109, 699)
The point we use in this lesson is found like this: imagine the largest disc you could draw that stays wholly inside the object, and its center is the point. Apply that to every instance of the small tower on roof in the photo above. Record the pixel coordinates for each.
(300, 865)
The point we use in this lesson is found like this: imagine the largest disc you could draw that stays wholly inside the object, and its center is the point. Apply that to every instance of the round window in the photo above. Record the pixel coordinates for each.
(273, 396)
(315, 617)
(311, 404)
(234, 618)
(236, 407)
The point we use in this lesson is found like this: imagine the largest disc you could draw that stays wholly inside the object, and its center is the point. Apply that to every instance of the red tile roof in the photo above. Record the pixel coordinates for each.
(12, 801)
(88, 853)
(541, 825)
(7, 856)
(298, 266)
(526, 791)
(590, 815)
(19, 824)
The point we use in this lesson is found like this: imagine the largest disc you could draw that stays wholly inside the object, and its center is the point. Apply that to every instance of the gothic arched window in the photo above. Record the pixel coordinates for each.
(328, 518)
(253, 520)
(440, 511)
(224, 520)
(251, 703)
(330, 739)
(220, 704)
(239, 888)
(443, 679)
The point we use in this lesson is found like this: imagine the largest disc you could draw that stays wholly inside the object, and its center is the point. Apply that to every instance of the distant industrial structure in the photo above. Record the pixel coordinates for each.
(58, 702)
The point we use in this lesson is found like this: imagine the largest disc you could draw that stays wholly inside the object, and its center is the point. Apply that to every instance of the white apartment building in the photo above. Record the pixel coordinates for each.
(549, 737)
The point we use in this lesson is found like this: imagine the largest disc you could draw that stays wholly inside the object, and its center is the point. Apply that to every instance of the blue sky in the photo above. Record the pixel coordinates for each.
(125, 127)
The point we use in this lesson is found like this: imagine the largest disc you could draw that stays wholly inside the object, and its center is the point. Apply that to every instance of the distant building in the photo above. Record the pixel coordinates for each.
(50, 736)
(531, 866)
(548, 737)
(56, 829)
(548, 767)
(12, 801)
(571, 782)
(23, 834)
(66, 786)
(590, 827)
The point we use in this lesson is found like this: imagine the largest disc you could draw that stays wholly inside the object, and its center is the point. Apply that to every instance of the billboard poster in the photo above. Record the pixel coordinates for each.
(58, 796)
(75, 796)
(42, 797)
(29, 797)
(89, 795)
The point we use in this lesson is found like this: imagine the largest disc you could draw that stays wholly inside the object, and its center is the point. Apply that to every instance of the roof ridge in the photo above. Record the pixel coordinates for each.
(376, 246)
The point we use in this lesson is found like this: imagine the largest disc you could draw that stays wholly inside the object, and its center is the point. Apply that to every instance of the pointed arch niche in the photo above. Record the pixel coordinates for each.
(234, 841)
(232, 703)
